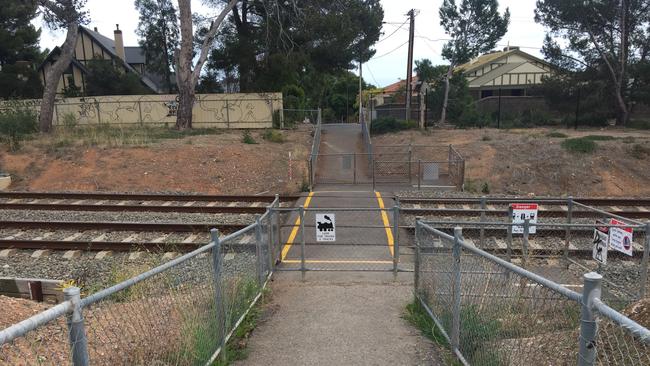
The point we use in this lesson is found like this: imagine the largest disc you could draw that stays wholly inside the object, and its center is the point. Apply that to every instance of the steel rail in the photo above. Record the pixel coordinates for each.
(131, 208)
(119, 226)
(144, 196)
(115, 246)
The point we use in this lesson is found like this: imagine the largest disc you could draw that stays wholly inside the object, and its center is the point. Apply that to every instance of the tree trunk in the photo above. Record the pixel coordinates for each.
(445, 100)
(186, 78)
(54, 75)
(185, 105)
(184, 68)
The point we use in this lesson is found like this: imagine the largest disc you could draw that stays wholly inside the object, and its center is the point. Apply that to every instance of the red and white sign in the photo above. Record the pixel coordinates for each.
(620, 238)
(521, 212)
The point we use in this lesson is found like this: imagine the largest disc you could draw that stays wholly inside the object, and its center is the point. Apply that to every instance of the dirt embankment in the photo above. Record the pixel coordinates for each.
(213, 164)
(529, 161)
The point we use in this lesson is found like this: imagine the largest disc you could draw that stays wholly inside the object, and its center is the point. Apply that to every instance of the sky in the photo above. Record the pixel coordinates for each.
(389, 63)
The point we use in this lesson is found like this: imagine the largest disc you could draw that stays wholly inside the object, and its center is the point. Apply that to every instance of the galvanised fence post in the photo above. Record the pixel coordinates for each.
(416, 264)
(258, 250)
(76, 331)
(509, 235)
(482, 232)
(588, 326)
(455, 324)
(303, 267)
(419, 174)
(569, 219)
(372, 162)
(396, 236)
(271, 240)
(524, 246)
(644, 262)
(218, 295)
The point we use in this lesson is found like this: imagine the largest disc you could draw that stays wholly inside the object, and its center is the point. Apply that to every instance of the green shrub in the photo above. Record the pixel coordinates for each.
(555, 134)
(247, 138)
(599, 137)
(628, 139)
(485, 188)
(486, 138)
(16, 125)
(69, 121)
(273, 136)
(390, 124)
(638, 124)
(579, 145)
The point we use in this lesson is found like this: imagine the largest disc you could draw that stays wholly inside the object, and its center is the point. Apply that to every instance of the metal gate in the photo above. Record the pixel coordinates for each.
(341, 239)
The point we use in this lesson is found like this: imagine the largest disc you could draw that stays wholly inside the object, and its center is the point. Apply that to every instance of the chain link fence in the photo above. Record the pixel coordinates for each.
(493, 312)
(182, 312)
(293, 117)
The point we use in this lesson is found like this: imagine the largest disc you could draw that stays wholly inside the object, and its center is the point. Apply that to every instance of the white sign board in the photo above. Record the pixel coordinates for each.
(521, 212)
(601, 242)
(325, 227)
(620, 238)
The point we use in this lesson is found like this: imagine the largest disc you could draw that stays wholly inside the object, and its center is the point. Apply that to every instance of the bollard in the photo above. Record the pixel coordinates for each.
(419, 174)
(509, 235)
(455, 325)
(76, 329)
(218, 295)
(588, 326)
(416, 264)
(644, 262)
(569, 219)
(395, 237)
(482, 232)
(303, 267)
(258, 250)
(524, 246)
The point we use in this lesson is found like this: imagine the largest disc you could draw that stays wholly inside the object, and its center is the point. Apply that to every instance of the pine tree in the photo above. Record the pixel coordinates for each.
(158, 32)
(19, 50)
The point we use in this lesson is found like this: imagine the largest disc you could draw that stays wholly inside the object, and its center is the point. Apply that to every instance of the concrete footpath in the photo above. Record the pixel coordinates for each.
(340, 318)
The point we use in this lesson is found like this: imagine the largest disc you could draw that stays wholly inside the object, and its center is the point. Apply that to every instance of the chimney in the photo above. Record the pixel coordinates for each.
(119, 43)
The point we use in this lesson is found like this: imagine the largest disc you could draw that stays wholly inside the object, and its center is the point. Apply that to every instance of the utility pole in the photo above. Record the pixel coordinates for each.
(409, 66)
(360, 92)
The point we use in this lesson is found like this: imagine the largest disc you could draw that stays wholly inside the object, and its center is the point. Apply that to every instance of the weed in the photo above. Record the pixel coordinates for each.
(69, 121)
(555, 134)
(486, 138)
(247, 138)
(579, 145)
(16, 125)
(273, 136)
(304, 187)
(638, 124)
(485, 188)
(628, 139)
(477, 335)
(419, 318)
(639, 151)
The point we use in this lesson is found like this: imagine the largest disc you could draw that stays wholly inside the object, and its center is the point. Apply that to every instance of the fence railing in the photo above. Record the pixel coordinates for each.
(399, 164)
(181, 312)
(493, 312)
(292, 117)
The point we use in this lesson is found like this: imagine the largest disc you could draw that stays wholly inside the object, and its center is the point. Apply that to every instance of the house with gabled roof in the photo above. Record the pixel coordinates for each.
(92, 45)
(510, 72)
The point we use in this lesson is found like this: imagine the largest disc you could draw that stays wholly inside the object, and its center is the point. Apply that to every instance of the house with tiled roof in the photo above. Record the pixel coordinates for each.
(92, 45)
(510, 72)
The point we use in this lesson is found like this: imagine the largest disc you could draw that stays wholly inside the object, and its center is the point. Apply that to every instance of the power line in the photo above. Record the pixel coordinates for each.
(391, 51)
(373, 75)
(395, 31)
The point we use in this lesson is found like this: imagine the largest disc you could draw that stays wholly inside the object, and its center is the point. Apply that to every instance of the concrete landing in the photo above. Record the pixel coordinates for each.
(346, 322)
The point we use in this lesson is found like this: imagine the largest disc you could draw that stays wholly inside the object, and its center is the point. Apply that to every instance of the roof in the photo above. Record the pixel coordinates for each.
(487, 58)
(395, 87)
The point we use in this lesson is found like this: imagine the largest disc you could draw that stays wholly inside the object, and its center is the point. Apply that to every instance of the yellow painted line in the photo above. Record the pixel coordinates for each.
(296, 227)
(333, 261)
(384, 218)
